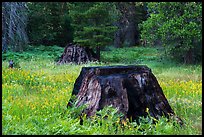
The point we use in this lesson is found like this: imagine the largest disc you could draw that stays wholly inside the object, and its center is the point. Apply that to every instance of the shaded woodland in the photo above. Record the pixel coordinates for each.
(175, 27)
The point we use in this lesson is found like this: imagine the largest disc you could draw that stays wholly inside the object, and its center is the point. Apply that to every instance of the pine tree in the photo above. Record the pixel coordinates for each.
(93, 24)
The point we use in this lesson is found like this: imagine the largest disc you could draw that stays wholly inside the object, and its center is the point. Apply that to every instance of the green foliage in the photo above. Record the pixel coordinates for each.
(93, 23)
(34, 53)
(178, 26)
(134, 55)
(49, 23)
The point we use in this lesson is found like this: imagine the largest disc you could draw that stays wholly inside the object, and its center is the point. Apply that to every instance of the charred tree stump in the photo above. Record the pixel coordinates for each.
(77, 54)
(130, 89)
(11, 64)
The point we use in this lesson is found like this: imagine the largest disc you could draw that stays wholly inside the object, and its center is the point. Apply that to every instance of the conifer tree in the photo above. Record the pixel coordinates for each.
(93, 24)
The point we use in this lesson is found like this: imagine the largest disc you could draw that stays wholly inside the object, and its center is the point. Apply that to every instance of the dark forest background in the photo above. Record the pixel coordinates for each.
(176, 27)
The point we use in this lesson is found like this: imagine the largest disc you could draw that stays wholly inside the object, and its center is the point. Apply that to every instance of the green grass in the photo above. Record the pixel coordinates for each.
(34, 96)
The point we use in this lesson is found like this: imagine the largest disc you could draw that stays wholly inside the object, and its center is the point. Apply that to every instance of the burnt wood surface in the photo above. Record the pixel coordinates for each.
(130, 89)
(74, 53)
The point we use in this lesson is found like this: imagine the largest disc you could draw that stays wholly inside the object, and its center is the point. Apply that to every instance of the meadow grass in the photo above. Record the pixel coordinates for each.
(34, 96)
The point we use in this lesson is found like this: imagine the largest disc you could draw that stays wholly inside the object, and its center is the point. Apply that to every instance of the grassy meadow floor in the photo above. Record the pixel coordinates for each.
(34, 97)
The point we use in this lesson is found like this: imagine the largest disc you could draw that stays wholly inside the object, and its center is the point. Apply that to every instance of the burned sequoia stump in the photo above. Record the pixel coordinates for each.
(77, 54)
(130, 89)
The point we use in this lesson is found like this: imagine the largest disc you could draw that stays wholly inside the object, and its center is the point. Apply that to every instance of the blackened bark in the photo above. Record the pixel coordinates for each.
(77, 54)
(130, 89)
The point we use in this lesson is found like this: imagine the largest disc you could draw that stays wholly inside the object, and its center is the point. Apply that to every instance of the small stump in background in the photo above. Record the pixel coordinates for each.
(11, 63)
(76, 54)
(130, 89)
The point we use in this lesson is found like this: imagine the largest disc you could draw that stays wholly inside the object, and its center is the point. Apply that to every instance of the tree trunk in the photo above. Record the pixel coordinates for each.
(77, 54)
(14, 20)
(130, 89)
(132, 33)
(127, 33)
(189, 57)
(118, 38)
(98, 53)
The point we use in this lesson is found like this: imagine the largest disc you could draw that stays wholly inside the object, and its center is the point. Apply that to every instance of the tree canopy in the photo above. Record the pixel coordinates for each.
(177, 26)
(49, 23)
